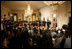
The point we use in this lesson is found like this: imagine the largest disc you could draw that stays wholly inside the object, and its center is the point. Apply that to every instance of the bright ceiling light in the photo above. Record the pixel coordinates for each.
(54, 2)
(28, 11)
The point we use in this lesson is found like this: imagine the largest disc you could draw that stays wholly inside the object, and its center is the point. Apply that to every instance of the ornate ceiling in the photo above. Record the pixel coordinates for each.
(21, 5)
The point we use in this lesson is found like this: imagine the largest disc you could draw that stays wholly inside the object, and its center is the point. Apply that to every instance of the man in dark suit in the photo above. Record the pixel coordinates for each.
(25, 37)
(47, 40)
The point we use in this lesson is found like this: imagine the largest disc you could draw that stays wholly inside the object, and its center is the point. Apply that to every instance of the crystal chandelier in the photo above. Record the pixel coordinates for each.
(28, 11)
(52, 3)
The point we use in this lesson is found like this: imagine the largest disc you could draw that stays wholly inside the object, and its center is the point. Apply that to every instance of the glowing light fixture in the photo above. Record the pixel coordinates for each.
(52, 3)
(28, 11)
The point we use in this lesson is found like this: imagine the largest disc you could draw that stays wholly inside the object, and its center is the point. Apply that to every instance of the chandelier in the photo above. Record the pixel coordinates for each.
(52, 3)
(28, 11)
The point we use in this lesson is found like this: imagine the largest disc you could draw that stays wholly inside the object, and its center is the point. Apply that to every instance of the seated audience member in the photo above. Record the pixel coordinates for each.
(53, 33)
(68, 40)
(25, 37)
(63, 38)
(5, 43)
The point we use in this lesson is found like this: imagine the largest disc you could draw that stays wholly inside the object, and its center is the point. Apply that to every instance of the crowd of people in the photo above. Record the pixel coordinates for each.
(29, 35)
